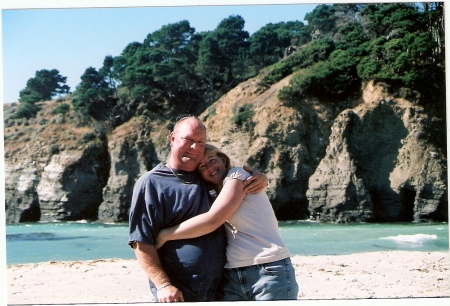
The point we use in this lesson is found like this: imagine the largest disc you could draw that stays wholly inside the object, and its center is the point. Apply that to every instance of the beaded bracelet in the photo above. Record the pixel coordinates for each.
(163, 286)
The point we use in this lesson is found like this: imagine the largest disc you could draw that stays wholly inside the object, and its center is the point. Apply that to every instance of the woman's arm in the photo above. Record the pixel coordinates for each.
(228, 201)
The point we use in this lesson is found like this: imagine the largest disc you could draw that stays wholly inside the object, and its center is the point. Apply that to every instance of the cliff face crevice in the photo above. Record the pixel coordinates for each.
(382, 142)
(286, 143)
(132, 155)
(22, 201)
(372, 158)
(71, 186)
(336, 191)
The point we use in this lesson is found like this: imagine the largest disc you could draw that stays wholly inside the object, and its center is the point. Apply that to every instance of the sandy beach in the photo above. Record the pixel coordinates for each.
(375, 275)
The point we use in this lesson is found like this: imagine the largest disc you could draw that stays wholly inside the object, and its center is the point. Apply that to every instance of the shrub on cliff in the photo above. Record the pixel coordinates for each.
(330, 80)
(244, 115)
(87, 137)
(25, 110)
(61, 109)
(317, 50)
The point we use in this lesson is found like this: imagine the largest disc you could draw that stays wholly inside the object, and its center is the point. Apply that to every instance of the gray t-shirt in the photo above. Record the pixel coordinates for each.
(161, 200)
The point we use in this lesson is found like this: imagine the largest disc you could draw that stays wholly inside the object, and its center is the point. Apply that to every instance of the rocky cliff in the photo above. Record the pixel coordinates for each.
(375, 157)
(372, 158)
(380, 164)
(134, 149)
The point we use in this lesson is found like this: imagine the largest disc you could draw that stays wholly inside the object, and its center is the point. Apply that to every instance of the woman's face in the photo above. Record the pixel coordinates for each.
(212, 168)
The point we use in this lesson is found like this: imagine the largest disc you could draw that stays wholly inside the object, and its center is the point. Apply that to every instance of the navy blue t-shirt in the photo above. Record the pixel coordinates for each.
(161, 200)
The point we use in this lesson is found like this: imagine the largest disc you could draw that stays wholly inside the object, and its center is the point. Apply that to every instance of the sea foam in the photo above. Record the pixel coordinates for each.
(417, 238)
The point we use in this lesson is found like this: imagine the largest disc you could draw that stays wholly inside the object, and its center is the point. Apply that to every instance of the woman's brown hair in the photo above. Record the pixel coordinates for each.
(212, 149)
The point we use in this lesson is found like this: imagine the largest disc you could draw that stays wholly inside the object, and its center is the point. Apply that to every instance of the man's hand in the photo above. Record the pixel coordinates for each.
(148, 258)
(170, 294)
(255, 183)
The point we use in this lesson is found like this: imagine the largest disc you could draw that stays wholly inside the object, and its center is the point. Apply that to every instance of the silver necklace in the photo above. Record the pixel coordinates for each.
(184, 182)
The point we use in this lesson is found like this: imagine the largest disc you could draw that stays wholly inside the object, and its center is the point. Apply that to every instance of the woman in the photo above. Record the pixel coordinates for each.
(258, 263)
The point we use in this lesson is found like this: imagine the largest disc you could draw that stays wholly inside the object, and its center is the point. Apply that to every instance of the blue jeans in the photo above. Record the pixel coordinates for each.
(264, 282)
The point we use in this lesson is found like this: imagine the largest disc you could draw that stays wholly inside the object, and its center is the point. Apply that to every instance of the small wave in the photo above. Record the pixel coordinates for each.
(57, 222)
(79, 221)
(309, 221)
(417, 238)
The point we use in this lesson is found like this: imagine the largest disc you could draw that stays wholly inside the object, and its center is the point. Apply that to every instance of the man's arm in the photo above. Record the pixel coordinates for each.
(255, 183)
(148, 258)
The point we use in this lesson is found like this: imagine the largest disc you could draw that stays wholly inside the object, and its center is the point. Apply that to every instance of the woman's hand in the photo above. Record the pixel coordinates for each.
(255, 183)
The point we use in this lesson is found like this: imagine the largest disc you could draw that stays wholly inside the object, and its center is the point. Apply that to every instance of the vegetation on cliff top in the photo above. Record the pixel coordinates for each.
(177, 69)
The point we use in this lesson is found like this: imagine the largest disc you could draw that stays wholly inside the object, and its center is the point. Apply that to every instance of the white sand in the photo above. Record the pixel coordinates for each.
(376, 275)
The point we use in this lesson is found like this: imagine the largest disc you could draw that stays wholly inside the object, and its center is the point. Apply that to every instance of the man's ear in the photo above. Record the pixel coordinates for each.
(171, 138)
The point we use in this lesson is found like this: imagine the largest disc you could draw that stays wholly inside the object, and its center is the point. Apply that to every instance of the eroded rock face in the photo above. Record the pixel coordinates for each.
(21, 198)
(132, 154)
(372, 159)
(71, 186)
(380, 165)
(336, 190)
(93, 181)
(60, 187)
(283, 142)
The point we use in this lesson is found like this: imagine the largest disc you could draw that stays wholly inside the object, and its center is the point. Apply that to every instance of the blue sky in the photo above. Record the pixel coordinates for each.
(73, 39)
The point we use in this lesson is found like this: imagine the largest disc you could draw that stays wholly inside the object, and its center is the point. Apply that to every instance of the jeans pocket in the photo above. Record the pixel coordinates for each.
(274, 268)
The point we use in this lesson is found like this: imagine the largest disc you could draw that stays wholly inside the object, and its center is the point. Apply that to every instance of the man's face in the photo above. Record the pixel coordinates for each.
(188, 145)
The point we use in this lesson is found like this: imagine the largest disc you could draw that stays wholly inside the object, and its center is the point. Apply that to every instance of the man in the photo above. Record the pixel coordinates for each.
(182, 270)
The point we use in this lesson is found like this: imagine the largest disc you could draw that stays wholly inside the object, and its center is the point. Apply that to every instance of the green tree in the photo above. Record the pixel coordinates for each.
(322, 19)
(222, 58)
(390, 42)
(160, 73)
(261, 50)
(209, 66)
(351, 36)
(120, 63)
(434, 22)
(45, 85)
(109, 73)
(294, 31)
(233, 45)
(390, 20)
(268, 44)
(347, 13)
(176, 68)
(94, 96)
(172, 52)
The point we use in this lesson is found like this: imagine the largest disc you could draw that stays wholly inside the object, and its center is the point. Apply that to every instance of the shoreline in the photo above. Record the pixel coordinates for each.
(373, 275)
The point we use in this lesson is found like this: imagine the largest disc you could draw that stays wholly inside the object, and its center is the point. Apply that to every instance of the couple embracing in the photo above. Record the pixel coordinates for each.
(205, 231)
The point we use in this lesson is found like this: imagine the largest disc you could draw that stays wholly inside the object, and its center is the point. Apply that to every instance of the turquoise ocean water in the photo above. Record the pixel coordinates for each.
(70, 241)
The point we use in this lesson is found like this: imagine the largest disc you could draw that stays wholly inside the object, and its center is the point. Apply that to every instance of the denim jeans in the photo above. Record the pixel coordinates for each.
(264, 282)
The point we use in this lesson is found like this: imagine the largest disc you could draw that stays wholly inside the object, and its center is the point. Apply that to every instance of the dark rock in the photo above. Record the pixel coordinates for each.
(382, 163)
